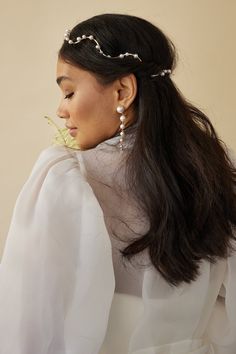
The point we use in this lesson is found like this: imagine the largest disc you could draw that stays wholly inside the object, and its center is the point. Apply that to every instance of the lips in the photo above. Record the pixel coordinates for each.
(72, 130)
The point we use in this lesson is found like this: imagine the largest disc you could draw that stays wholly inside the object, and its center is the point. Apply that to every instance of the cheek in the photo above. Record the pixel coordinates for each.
(92, 108)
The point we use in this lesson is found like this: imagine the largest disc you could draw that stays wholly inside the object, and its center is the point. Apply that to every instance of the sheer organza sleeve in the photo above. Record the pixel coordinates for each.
(56, 273)
(222, 325)
(192, 318)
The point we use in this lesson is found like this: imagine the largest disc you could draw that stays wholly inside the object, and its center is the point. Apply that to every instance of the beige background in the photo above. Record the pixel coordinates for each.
(31, 34)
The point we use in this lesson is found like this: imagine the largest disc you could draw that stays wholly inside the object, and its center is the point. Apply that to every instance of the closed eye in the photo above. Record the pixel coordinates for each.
(69, 95)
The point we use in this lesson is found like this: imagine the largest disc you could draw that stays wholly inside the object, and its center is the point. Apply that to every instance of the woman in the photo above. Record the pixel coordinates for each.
(146, 207)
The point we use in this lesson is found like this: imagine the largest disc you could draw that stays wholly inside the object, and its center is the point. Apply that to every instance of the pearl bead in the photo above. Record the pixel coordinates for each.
(135, 55)
(122, 118)
(120, 109)
(122, 126)
(90, 37)
(122, 133)
(70, 41)
(121, 55)
(83, 36)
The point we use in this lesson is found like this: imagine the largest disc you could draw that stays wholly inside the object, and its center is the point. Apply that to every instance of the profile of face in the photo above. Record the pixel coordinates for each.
(89, 108)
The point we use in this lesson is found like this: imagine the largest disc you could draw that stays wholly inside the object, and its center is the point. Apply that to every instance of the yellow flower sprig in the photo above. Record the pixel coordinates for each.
(62, 137)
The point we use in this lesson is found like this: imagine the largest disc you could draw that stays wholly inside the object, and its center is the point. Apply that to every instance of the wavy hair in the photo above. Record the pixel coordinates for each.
(178, 168)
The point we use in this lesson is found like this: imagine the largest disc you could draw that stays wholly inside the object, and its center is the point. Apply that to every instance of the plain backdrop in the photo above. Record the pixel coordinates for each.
(31, 34)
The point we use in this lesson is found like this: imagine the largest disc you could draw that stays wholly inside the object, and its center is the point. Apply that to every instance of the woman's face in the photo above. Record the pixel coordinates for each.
(88, 107)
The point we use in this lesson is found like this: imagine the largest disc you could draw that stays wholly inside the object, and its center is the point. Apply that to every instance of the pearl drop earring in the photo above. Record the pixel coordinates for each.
(121, 109)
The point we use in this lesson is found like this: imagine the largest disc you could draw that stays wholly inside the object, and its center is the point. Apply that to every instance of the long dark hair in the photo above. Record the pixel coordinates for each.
(178, 168)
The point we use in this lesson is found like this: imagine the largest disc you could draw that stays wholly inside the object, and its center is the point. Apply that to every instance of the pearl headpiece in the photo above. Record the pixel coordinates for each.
(98, 47)
(120, 56)
(162, 73)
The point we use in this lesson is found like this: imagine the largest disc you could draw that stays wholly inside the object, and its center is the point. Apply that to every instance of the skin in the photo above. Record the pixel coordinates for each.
(89, 107)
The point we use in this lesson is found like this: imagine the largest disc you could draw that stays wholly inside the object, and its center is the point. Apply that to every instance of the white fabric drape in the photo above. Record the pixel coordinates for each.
(57, 277)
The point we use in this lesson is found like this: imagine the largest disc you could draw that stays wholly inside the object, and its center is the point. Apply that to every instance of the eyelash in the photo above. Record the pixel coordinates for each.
(69, 95)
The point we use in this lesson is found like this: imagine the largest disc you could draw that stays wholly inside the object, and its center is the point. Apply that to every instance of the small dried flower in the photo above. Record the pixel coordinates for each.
(62, 137)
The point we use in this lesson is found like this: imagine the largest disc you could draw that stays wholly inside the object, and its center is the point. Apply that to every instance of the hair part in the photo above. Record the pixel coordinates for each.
(178, 168)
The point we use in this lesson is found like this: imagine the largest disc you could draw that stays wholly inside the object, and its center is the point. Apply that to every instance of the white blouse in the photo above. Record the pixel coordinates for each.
(61, 267)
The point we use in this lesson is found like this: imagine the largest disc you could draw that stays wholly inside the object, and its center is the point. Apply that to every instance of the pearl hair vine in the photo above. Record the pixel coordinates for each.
(120, 56)
(162, 73)
(98, 47)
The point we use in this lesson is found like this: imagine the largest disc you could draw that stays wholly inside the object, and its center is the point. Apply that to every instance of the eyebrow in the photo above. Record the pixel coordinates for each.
(61, 78)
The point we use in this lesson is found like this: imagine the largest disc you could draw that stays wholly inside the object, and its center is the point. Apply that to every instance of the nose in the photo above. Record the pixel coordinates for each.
(62, 112)
(60, 116)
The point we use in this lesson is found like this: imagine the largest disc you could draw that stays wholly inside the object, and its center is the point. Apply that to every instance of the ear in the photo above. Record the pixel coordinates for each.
(126, 90)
